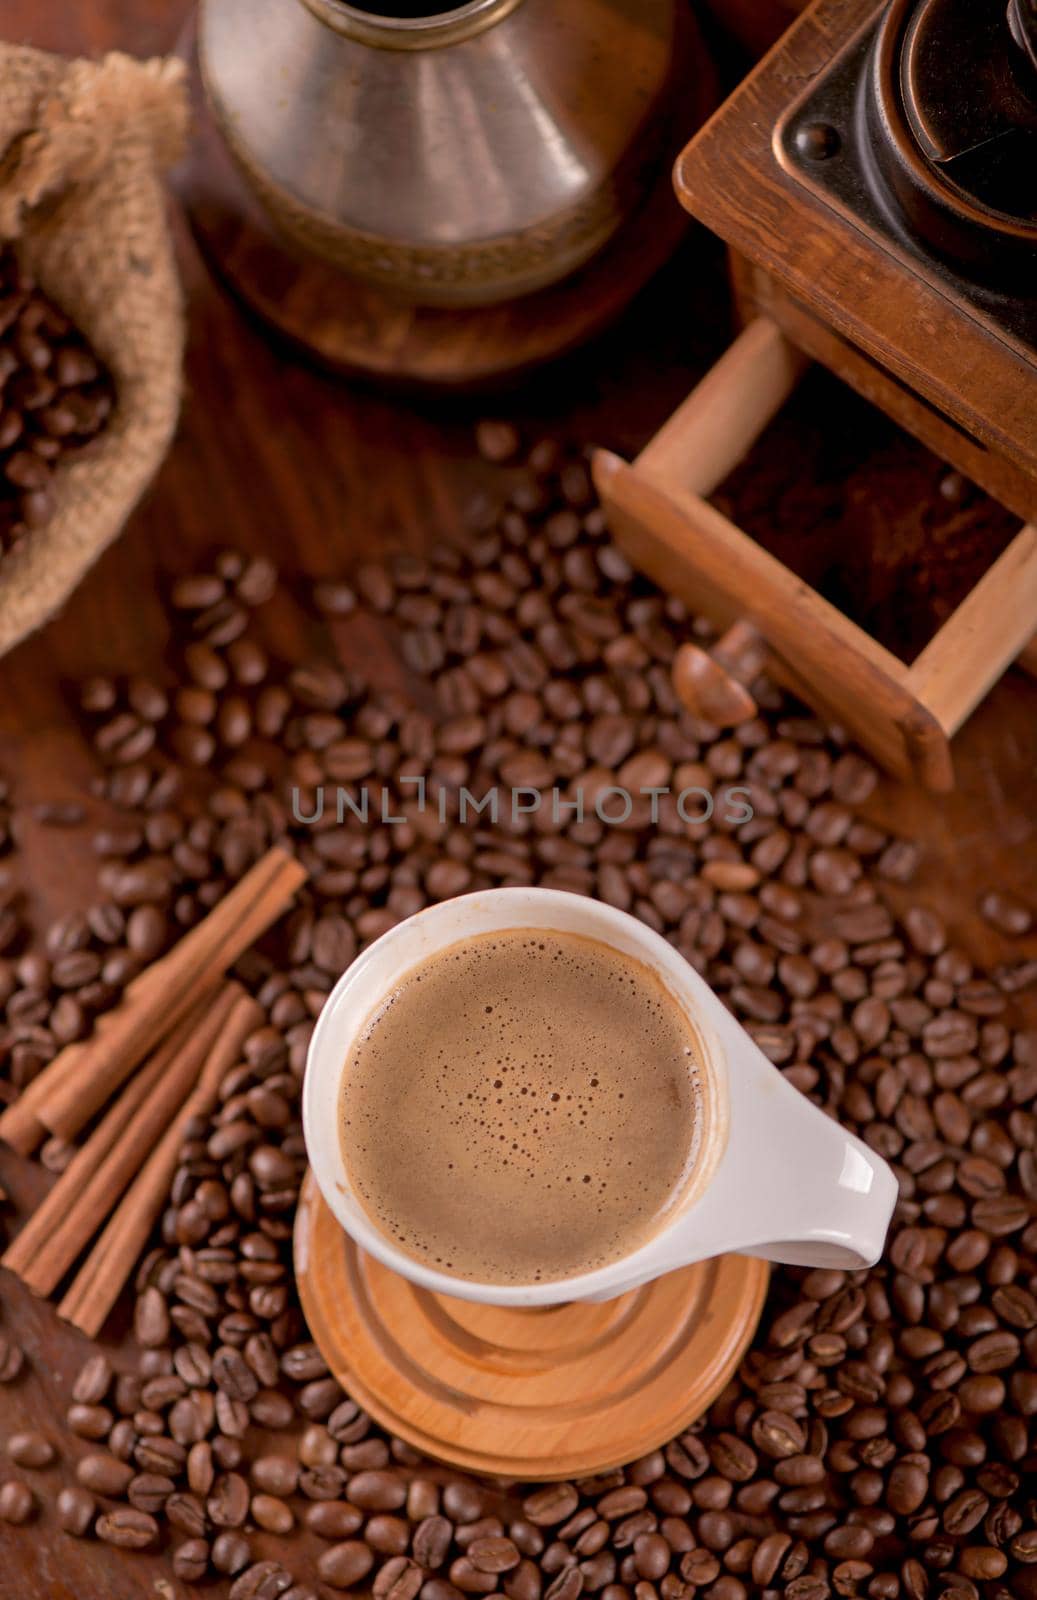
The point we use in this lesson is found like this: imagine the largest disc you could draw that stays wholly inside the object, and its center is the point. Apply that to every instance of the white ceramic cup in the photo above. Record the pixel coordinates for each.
(777, 1178)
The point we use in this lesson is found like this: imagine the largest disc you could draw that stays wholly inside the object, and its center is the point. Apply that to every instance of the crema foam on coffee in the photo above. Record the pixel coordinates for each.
(522, 1107)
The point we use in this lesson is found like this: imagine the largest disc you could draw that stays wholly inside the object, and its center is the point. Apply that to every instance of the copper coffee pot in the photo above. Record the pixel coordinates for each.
(459, 157)
(356, 159)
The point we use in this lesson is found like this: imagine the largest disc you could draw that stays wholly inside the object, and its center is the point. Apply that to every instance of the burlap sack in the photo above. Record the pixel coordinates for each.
(82, 146)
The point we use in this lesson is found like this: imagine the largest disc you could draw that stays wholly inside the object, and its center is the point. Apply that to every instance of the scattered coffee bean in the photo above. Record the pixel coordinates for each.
(128, 1529)
(497, 441)
(76, 1509)
(1006, 913)
(345, 1565)
(93, 1382)
(31, 1449)
(17, 1503)
(12, 1359)
(272, 1514)
(104, 1474)
(191, 1560)
(231, 1553)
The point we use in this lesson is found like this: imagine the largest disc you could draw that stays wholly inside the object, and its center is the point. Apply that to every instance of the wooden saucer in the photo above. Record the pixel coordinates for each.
(557, 1392)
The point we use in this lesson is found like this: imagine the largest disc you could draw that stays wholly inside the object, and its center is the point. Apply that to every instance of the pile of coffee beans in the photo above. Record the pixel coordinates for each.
(878, 1439)
(853, 503)
(54, 398)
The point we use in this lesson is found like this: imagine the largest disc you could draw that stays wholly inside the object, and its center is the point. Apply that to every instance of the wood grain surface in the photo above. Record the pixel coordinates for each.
(273, 457)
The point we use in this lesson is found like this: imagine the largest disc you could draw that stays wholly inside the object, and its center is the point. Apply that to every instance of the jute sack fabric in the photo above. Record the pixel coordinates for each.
(82, 148)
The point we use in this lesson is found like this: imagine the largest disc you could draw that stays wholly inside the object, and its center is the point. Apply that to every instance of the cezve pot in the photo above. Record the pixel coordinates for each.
(461, 157)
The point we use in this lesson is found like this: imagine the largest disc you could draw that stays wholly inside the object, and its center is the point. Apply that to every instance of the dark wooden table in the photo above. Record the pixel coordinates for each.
(274, 457)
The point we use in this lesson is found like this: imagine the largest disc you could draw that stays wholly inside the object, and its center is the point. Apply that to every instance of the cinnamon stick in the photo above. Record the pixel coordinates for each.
(190, 971)
(87, 1210)
(104, 1273)
(20, 1129)
(23, 1249)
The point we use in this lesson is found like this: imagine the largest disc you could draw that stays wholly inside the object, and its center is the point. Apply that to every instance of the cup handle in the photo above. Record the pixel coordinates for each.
(792, 1185)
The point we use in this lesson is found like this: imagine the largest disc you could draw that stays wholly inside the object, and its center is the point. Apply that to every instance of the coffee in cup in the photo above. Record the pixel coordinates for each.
(524, 1106)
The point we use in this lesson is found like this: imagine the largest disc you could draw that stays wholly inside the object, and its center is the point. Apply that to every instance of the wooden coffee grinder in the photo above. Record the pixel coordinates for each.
(875, 179)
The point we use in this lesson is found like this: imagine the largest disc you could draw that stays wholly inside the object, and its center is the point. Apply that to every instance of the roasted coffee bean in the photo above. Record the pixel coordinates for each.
(733, 1458)
(191, 1560)
(390, 1536)
(104, 1474)
(462, 1501)
(333, 598)
(271, 1514)
(1006, 912)
(334, 1519)
(982, 1562)
(699, 1567)
(550, 1506)
(265, 1580)
(151, 1319)
(439, 1589)
(777, 1435)
(621, 1502)
(470, 1581)
(398, 1579)
(89, 1422)
(195, 593)
(422, 1499)
(322, 1483)
(271, 1410)
(523, 1582)
(93, 1381)
(228, 1501)
(128, 1529)
(497, 441)
(12, 1359)
(907, 1488)
(230, 1553)
(651, 1556)
(187, 1513)
(767, 1557)
(232, 1374)
(345, 1565)
(76, 1509)
(17, 1502)
(491, 1554)
(156, 1453)
(377, 1491)
(277, 1475)
(568, 1585)
(149, 1491)
(31, 1449)
(431, 1542)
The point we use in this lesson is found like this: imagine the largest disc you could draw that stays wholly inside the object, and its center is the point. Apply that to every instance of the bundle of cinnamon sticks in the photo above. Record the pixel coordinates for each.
(158, 1058)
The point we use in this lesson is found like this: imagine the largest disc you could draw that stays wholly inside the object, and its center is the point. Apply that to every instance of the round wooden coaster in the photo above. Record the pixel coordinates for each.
(547, 1393)
(359, 330)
